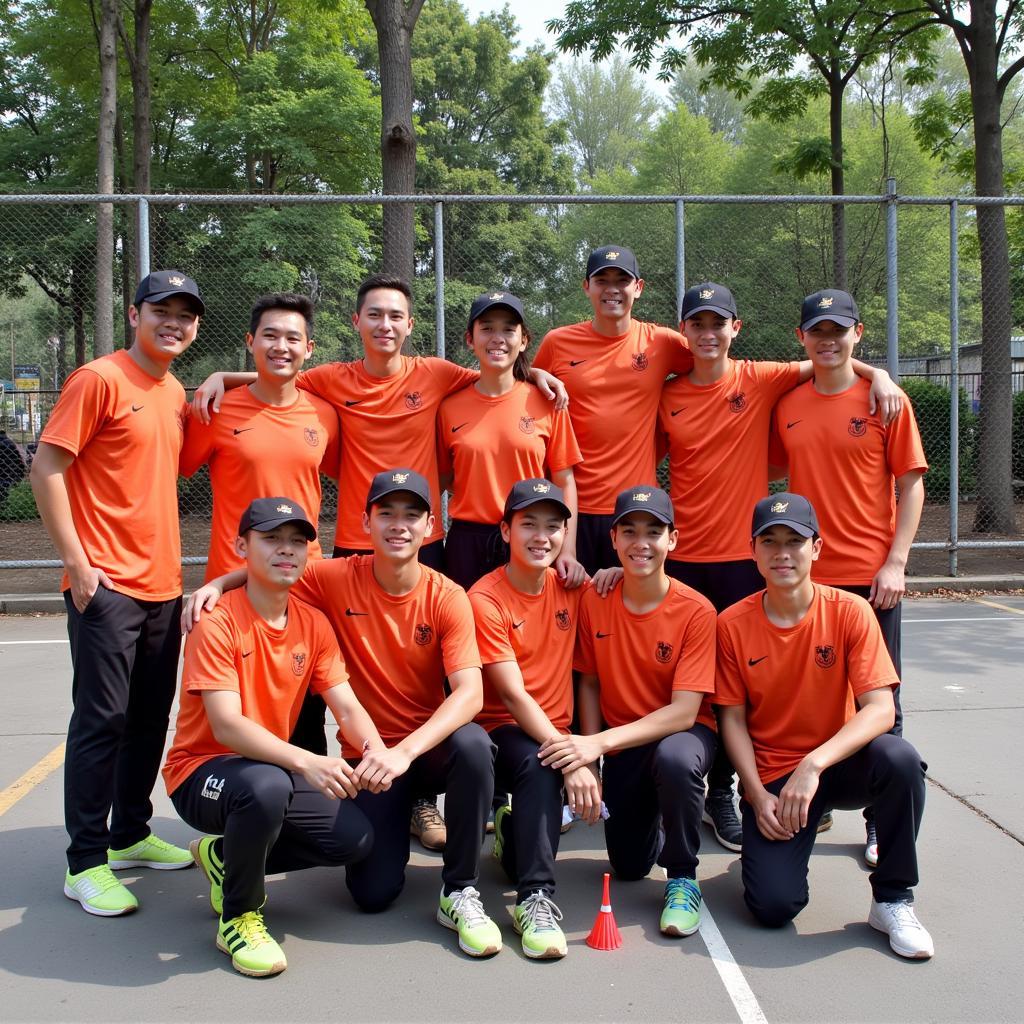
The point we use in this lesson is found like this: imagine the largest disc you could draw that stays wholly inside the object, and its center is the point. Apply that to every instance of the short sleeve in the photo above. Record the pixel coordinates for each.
(450, 376)
(563, 451)
(729, 686)
(868, 665)
(903, 448)
(544, 358)
(680, 357)
(583, 656)
(80, 412)
(310, 585)
(458, 631)
(328, 666)
(198, 445)
(209, 662)
(695, 669)
(492, 636)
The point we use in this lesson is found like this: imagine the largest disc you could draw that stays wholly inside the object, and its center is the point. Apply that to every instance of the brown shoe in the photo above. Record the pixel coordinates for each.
(427, 825)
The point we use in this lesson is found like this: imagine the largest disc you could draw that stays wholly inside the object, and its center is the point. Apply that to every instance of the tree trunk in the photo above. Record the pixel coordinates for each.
(995, 512)
(142, 123)
(835, 125)
(395, 21)
(103, 317)
(78, 299)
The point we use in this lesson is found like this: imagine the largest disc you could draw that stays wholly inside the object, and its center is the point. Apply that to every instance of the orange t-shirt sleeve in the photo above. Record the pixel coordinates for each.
(695, 669)
(328, 668)
(81, 409)
(450, 376)
(309, 587)
(328, 417)
(198, 445)
(903, 449)
(729, 686)
(210, 657)
(458, 632)
(543, 359)
(868, 664)
(776, 449)
(445, 464)
(681, 361)
(491, 630)
(583, 656)
(563, 451)
(318, 380)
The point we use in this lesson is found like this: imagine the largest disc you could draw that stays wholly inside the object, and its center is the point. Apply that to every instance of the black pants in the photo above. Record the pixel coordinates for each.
(472, 550)
(887, 773)
(530, 836)
(461, 767)
(594, 549)
(431, 555)
(125, 658)
(271, 820)
(723, 584)
(654, 796)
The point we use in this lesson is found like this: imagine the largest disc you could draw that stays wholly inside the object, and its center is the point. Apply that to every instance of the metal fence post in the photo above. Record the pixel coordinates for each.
(954, 384)
(142, 238)
(439, 277)
(680, 257)
(892, 321)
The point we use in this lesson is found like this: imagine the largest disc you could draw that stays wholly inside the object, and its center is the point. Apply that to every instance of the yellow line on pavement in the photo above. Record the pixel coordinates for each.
(1001, 607)
(37, 773)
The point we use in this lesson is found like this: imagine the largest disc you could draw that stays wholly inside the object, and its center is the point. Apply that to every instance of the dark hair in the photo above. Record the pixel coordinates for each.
(521, 367)
(389, 281)
(291, 302)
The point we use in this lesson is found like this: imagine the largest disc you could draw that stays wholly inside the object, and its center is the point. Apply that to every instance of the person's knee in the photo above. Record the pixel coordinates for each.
(678, 761)
(629, 865)
(773, 909)
(267, 799)
(472, 749)
(901, 763)
(373, 895)
(349, 846)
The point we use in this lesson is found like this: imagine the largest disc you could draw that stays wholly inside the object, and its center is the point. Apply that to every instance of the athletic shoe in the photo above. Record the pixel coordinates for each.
(681, 915)
(499, 824)
(99, 892)
(536, 919)
(463, 912)
(212, 866)
(720, 814)
(151, 852)
(907, 936)
(568, 819)
(870, 845)
(252, 950)
(427, 825)
(825, 822)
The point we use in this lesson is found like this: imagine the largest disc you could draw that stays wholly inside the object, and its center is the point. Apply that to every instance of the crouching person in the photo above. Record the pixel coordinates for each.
(273, 806)
(805, 686)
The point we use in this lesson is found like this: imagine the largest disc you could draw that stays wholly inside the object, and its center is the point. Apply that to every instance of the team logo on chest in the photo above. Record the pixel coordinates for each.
(663, 652)
(825, 656)
(298, 662)
(738, 402)
(858, 426)
(563, 620)
(311, 436)
(414, 400)
(423, 634)
(640, 362)
(526, 424)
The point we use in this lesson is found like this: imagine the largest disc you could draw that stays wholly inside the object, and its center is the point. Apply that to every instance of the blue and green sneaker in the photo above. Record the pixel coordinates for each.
(681, 915)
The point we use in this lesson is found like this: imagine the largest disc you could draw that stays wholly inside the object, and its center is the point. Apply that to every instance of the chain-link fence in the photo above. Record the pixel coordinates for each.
(918, 266)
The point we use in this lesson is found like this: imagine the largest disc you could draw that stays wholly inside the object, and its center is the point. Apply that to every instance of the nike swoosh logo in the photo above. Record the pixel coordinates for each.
(790, 426)
(676, 412)
(242, 430)
(245, 654)
(576, 362)
(348, 611)
(601, 636)
(516, 625)
(459, 427)
(756, 661)
(356, 402)
(136, 408)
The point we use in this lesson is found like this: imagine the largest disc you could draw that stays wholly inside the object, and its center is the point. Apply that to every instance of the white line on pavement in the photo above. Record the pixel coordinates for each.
(743, 998)
(22, 643)
(966, 618)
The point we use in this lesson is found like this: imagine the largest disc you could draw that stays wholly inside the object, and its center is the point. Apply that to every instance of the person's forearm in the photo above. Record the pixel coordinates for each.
(867, 371)
(251, 740)
(529, 715)
(572, 501)
(870, 722)
(237, 378)
(455, 711)
(51, 494)
(588, 705)
(675, 717)
(353, 720)
(908, 518)
(740, 749)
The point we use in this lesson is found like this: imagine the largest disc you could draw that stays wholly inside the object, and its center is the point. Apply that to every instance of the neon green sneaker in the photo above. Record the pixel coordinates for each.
(681, 915)
(463, 912)
(536, 919)
(99, 892)
(253, 952)
(151, 852)
(212, 866)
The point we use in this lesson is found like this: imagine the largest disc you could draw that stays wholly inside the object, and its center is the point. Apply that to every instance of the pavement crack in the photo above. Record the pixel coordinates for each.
(976, 809)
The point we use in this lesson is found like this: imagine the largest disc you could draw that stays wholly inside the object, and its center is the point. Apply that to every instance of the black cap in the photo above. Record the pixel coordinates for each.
(785, 509)
(265, 514)
(644, 499)
(162, 284)
(482, 303)
(530, 492)
(612, 256)
(829, 304)
(708, 295)
(393, 480)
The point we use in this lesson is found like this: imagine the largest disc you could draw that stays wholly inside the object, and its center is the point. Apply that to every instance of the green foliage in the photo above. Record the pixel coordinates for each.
(931, 404)
(20, 506)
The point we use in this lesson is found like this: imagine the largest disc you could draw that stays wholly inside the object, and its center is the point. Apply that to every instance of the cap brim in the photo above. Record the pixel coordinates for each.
(527, 502)
(649, 511)
(611, 263)
(714, 309)
(843, 321)
(272, 524)
(375, 498)
(506, 305)
(160, 296)
(802, 528)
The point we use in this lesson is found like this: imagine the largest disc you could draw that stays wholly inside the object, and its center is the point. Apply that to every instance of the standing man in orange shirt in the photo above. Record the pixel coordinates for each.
(647, 658)
(613, 368)
(104, 480)
(848, 464)
(805, 688)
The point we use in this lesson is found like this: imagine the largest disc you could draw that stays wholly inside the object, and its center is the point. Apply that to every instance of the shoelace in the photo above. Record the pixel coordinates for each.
(540, 913)
(102, 879)
(155, 842)
(428, 815)
(903, 915)
(466, 905)
(682, 894)
(251, 927)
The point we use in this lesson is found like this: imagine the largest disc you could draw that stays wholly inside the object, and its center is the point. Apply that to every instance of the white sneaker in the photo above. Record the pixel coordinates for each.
(871, 846)
(907, 935)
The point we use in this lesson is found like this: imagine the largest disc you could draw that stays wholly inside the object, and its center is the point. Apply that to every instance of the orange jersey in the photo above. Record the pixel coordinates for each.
(398, 650)
(799, 683)
(717, 438)
(845, 462)
(124, 429)
(257, 450)
(641, 660)
(614, 385)
(386, 422)
(490, 443)
(538, 632)
(233, 648)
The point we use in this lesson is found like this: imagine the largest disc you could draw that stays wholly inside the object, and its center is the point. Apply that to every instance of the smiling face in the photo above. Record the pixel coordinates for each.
(383, 322)
(275, 558)
(163, 330)
(612, 293)
(784, 556)
(710, 334)
(497, 338)
(280, 345)
(642, 543)
(829, 345)
(535, 535)
(397, 525)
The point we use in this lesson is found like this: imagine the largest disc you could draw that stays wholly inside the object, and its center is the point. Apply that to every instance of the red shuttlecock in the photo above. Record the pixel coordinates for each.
(605, 934)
